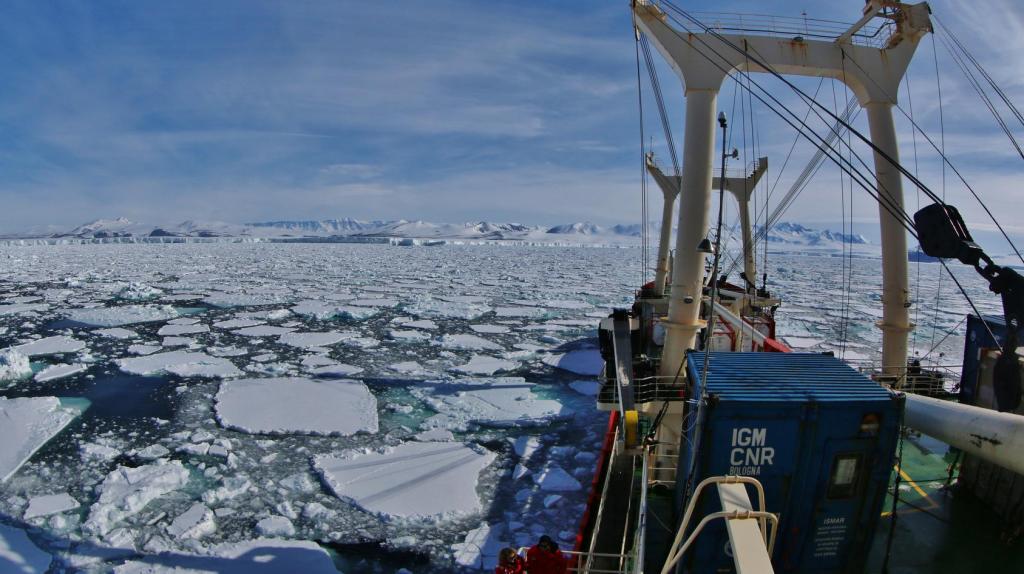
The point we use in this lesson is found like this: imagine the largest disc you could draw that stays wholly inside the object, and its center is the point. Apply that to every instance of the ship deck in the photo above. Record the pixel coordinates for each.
(940, 529)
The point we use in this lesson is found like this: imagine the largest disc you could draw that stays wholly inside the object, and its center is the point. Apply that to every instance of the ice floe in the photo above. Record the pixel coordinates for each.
(499, 402)
(126, 491)
(335, 370)
(297, 405)
(54, 345)
(480, 548)
(26, 424)
(116, 333)
(555, 478)
(581, 362)
(411, 480)
(181, 363)
(311, 340)
(484, 365)
(467, 342)
(124, 315)
(179, 329)
(18, 308)
(262, 556)
(262, 331)
(196, 522)
(47, 504)
(19, 553)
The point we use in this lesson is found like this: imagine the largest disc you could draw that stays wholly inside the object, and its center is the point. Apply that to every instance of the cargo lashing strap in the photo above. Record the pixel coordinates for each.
(623, 348)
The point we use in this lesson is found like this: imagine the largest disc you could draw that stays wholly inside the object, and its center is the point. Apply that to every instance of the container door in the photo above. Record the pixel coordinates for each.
(836, 538)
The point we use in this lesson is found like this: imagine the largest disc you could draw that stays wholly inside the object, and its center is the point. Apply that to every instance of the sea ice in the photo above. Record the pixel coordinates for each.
(499, 402)
(525, 446)
(126, 491)
(529, 312)
(262, 556)
(18, 308)
(14, 366)
(411, 480)
(275, 526)
(491, 329)
(116, 333)
(237, 323)
(54, 345)
(581, 362)
(48, 504)
(181, 363)
(407, 336)
(262, 331)
(479, 550)
(335, 371)
(467, 342)
(554, 478)
(311, 340)
(588, 388)
(19, 553)
(484, 365)
(178, 330)
(448, 309)
(26, 424)
(195, 522)
(143, 349)
(124, 315)
(286, 405)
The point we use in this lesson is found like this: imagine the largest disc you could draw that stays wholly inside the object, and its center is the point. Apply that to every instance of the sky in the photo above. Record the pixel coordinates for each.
(448, 111)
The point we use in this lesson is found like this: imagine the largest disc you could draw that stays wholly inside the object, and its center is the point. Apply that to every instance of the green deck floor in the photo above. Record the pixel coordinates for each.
(939, 530)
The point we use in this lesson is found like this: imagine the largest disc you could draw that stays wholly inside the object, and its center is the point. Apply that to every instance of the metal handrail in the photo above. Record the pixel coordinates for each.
(522, 550)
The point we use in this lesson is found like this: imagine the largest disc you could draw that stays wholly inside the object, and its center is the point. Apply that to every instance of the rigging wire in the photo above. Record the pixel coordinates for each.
(942, 141)
(867, 141)
(643, 159)
(884, 201)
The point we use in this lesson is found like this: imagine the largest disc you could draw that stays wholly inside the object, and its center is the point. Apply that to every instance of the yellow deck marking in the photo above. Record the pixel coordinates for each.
(906, 478)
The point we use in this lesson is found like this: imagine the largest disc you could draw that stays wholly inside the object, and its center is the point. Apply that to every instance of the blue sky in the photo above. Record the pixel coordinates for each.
(442, 110)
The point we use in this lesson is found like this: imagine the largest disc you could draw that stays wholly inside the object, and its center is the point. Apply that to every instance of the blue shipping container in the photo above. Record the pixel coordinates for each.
(820, 437)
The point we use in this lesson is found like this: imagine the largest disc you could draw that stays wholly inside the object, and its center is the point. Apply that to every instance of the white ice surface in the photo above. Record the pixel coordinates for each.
(18, 308)
(311, 340)
(48, 504)
(588, 388)
(262, 331)
(54, 345)
(334, 371)
(500, 402)
(297, 405)
(237, 323)
(480, 549)
(18, 555)
(196, 522)
(181, 363)
(413, 479)
(26, 424)
(581, 362)
(275, 526)
(262, 556)
(555, 479)
(116, 333)
(125, 315)
(126, 491)
(179, 329)
(484, 365)
(467, 342)
(14, 365)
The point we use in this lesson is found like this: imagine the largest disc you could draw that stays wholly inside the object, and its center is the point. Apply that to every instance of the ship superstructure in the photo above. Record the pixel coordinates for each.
(726, 451)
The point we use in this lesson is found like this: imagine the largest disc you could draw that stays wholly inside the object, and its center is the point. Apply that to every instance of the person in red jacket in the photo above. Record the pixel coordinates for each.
(546, 558)
(510, 563)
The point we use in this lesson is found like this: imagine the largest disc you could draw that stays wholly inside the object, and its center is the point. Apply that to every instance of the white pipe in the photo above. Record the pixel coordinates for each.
(749, 268)
(737, 322)
(895, 324)
(989, 435)
(694, 206)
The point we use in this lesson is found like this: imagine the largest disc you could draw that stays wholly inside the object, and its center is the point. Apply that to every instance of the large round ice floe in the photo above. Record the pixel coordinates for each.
(297, 405)
(411, 480)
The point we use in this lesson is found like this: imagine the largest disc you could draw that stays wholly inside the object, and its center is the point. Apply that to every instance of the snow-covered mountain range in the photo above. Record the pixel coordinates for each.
(782, 235)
